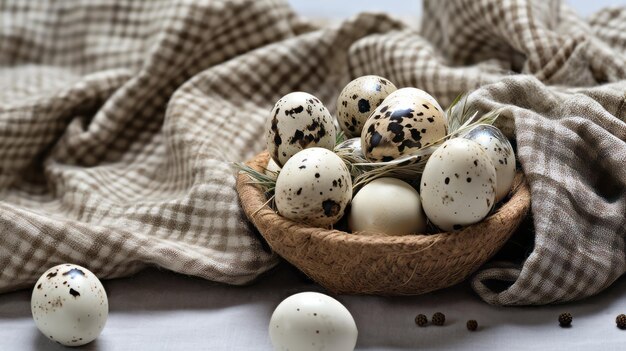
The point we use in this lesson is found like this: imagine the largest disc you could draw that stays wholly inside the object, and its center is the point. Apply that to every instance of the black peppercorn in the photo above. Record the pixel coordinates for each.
(421, 320)
(565, 319)
(438, 319)
(472, 325)
(620, 320)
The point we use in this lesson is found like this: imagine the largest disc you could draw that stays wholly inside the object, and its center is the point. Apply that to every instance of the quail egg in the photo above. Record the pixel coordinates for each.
(501, 153)
(411, 92)
(458, 185)
(298, 121)
(313, 187)
(69, 305)
(357, 101)
(400, 127)
(310, 321)
(387, 205)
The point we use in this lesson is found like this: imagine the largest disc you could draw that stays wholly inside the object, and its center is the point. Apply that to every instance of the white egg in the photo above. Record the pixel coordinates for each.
(387, 205)
(69, 305)
(358, 99)
(311, 321)
(313, 187)
(298, 121)
(272, 168)
(410, 92)
(458, 185)
(501, 153)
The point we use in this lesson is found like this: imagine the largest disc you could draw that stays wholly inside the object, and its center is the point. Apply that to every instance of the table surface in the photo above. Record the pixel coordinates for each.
(160, 310)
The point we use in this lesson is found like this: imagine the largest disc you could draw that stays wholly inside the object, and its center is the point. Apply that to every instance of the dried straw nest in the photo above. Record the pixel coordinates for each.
(372, 263)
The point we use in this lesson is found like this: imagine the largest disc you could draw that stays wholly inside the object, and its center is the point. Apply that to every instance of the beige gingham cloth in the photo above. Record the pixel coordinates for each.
(119, 121)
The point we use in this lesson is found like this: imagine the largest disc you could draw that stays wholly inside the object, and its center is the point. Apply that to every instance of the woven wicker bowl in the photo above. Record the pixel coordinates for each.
(380, 264)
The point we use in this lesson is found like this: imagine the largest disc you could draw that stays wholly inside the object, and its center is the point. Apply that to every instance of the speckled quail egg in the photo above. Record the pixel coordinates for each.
(313, 187)
(458, 185)
(298, 121)
(411, 92)
(69, 305)
(401, 126)
(310, 321)
(387, 205)
(358, 99)
(501, 153)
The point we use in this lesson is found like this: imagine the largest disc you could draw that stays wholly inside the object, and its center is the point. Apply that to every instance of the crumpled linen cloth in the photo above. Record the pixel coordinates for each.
(119, 121)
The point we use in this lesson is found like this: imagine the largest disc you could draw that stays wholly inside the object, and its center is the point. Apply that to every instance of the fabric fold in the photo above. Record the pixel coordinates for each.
(119, 122)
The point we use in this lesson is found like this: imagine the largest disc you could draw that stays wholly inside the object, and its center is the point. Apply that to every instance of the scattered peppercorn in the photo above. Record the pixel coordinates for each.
(421, 320)
(472, 325)
(438, 319)
(620, 320)
(565, 319)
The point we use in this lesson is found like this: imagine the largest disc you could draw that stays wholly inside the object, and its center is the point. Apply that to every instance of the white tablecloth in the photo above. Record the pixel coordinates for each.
(158, 310)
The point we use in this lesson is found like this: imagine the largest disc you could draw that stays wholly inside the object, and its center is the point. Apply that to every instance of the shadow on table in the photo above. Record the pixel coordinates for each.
(40, 342)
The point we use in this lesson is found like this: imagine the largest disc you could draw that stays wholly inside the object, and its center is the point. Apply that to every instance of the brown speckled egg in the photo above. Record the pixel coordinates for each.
(298, 121)
(357, 101)
(400, 127)
(458, 185)
(69, 305)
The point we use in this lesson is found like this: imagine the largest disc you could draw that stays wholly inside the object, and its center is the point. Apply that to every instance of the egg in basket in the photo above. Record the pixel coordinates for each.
(407, 198)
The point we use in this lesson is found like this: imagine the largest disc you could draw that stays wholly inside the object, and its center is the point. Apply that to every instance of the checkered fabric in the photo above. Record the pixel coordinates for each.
(119, 121)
